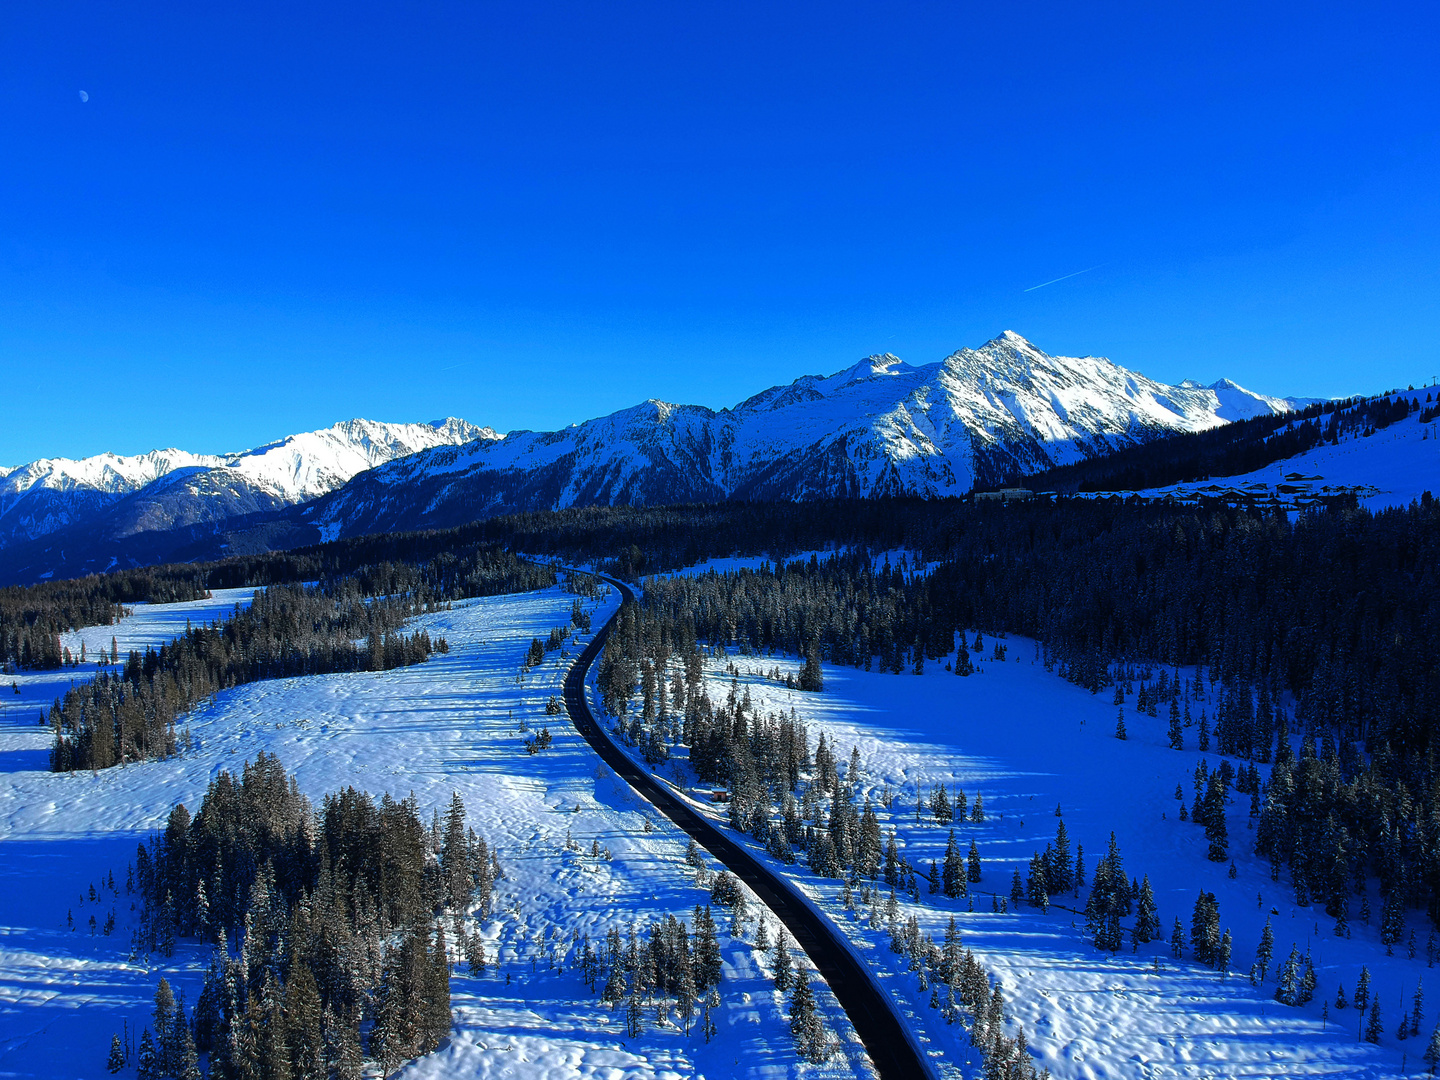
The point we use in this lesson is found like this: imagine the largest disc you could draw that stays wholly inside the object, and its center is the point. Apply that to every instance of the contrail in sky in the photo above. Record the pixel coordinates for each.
(1077, 273)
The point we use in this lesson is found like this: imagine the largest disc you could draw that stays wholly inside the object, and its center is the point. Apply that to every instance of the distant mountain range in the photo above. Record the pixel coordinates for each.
(879, 427)
(109, 497)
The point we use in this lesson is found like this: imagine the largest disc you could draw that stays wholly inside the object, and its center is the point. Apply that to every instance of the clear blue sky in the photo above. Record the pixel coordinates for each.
(267, 218)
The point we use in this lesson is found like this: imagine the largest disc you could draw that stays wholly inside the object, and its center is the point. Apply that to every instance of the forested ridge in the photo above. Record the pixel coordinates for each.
(129, 714)
(1334, 608)
(1231, 449)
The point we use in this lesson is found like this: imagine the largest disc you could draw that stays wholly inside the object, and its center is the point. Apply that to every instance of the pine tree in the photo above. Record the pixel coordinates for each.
(1287, 983)
(1177, 939)
(274, 1045)
(1265, 951)
(146, 1065)
(342, 1047)
(707, 950)
(302, 1023)
(1177, 734)
(685, 995)
(614, 986)
(940, 807)
(117, 1055)
(1120, 724)
(1215, 830)
(455, 856)
(1205, 928)
(1017, 890)
(1061, 871)
(811, 1041)
(1362, 989)
(1147, 918)
(812, 677)
(1432, 1052)
(973, 862)
(163, 1019)
(1392, 921)
(1417, 1011)
(951, 958)
(634, 1016)
(953, 874)
(1037, 888)
(1373, 1028)
(782, 965)
(707, 1019)
(1222, 954)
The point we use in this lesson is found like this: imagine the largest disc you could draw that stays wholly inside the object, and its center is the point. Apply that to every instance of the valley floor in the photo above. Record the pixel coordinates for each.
(451, 724)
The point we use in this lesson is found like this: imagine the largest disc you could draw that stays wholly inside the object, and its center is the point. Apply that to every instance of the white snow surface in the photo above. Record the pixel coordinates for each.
(450, 724)
(1028, 741)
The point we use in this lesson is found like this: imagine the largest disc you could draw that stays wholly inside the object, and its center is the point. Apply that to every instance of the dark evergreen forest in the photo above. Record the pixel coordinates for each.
(325, 926)
(1317, 633)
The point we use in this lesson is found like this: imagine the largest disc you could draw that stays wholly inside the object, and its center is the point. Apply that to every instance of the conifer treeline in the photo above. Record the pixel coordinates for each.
(1335, 607)
(442, 565)
(288, 630)
(323, 925)
(33, 617)
(129, 714)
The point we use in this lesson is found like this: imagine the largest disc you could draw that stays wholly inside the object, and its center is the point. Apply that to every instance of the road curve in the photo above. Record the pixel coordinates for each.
(890, 1044)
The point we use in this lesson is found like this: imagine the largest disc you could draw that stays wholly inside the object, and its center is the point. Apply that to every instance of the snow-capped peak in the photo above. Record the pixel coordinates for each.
(871, 367)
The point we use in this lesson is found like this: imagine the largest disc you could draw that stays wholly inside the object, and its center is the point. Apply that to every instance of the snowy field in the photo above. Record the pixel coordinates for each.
(451, 724)
(151, 626)
(1028, 741)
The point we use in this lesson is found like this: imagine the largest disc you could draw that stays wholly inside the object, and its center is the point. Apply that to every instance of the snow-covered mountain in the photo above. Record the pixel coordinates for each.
(879, 427)
(164, 489)
(1237, 403)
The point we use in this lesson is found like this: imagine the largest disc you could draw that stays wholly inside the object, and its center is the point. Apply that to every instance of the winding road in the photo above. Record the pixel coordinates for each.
(890, 1044)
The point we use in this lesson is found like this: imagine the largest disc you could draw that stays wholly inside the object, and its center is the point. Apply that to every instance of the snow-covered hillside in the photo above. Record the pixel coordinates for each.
(168, 487)
(1039, 751)
(878, 427)
(1393, 466)
(453, 724)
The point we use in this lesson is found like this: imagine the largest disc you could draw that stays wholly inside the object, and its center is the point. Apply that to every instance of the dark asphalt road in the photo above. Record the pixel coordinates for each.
(890, 1045)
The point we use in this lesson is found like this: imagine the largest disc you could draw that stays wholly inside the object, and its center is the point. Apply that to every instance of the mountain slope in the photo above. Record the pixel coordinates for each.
(118, 496)
(879, 427)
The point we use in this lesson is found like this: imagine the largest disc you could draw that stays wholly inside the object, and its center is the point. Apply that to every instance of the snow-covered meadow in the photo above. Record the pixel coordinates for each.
(451, 724)
(1028, 741)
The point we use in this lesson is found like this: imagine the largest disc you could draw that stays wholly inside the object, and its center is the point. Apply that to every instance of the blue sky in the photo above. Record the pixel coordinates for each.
(266, 219)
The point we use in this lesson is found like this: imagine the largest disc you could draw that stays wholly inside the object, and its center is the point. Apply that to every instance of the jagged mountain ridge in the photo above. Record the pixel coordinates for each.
(879, 427)
(120, 496)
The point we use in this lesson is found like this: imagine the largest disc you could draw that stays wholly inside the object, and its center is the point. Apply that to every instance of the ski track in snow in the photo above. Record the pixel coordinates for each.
(450, 724)
(1026, 740)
